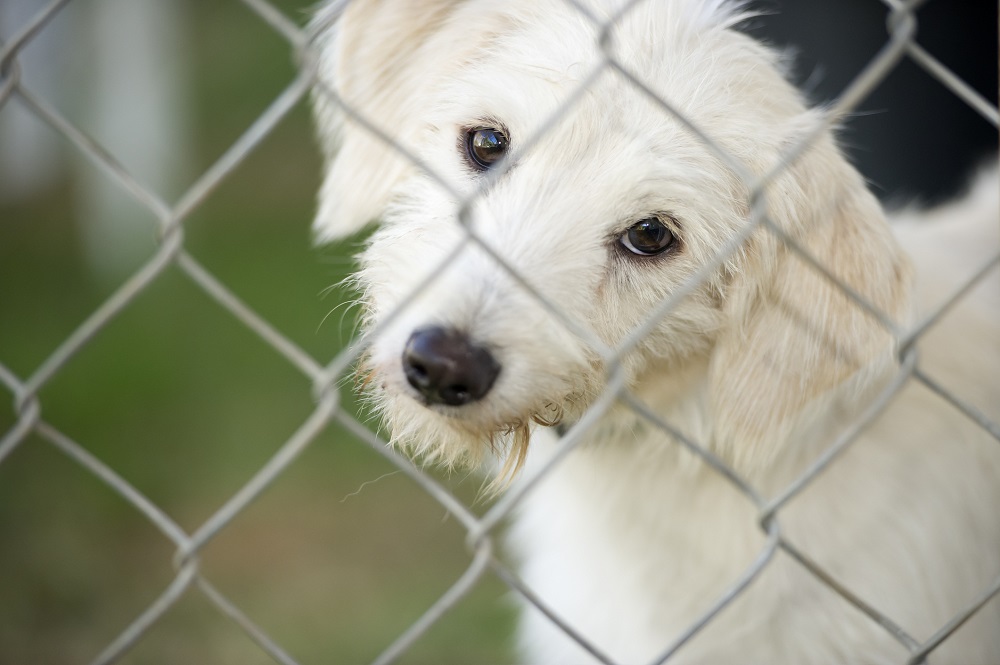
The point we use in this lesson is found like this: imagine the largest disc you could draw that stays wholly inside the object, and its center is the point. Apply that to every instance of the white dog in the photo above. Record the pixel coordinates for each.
(606, 210)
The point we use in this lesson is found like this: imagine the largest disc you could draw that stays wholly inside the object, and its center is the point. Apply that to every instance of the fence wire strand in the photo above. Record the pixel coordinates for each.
(480, 529)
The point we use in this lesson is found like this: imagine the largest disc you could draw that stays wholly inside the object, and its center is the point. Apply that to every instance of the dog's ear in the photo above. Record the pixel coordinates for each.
(375, 57)
(793, 337)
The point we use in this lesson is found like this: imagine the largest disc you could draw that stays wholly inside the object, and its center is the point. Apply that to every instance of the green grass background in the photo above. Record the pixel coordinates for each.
(187, 404)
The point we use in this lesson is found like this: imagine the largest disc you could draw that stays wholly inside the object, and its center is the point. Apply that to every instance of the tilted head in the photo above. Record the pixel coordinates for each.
(597, 199)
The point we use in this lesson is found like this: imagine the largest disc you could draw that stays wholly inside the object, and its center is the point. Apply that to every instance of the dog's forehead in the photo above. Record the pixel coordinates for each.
(548, 70)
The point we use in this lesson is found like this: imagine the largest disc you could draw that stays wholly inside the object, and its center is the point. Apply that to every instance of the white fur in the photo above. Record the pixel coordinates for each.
(764, 363)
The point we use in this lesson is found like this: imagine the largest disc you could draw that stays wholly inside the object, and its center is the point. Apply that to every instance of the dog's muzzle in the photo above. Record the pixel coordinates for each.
(446, 367)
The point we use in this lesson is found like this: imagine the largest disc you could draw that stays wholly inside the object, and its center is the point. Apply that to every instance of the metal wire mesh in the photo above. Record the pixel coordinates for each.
(325, 377)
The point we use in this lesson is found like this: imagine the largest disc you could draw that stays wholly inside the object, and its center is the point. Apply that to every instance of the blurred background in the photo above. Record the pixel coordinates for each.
(340, 555)
(177, 396)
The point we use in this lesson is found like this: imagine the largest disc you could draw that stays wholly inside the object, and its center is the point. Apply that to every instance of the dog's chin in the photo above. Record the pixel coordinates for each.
(478, 435)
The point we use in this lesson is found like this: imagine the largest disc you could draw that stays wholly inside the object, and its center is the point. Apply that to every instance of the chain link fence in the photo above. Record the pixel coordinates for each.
(326, 378)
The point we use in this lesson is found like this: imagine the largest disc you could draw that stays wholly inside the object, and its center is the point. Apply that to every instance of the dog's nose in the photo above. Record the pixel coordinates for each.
(447, 368)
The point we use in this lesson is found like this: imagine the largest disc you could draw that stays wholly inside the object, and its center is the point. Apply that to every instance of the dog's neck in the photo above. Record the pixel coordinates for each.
(680, 396)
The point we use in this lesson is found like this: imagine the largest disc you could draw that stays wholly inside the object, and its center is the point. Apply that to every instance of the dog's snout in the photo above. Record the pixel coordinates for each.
(446, 367)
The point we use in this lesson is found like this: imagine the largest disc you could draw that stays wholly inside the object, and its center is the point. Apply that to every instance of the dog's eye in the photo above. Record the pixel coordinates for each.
(485, 146)
(648, 238)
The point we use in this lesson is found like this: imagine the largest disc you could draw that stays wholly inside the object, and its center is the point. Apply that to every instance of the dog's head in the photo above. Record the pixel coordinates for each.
(603, 208)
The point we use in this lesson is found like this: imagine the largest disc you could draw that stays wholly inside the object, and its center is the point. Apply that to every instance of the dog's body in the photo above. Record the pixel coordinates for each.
(765, 362)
